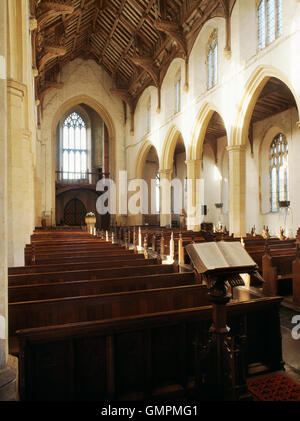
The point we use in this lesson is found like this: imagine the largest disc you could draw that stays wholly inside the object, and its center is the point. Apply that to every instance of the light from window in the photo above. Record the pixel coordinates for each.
(212, 60)
(279, 171)
(157, 193)
(74, 153)
(178, 95)
(269, 14)
(149, 117)
(261, 25)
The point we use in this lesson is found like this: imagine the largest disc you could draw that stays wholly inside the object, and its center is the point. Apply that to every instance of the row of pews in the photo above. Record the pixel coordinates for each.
(91, 319)
(278, 260)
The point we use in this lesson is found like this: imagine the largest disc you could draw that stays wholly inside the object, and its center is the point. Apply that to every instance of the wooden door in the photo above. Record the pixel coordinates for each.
(74, 213)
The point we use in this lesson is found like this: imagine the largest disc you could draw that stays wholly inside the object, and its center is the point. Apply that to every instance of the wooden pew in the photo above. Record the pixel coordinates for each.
(296, 277)
(104, 273)
(123, 260)
(277, 272)
(139, 357)
(94, 287)
(24, 315)
(276, 248)
(60, 257)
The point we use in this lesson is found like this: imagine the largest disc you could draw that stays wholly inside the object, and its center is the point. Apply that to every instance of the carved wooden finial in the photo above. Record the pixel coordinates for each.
(267, 248)
(153, 241)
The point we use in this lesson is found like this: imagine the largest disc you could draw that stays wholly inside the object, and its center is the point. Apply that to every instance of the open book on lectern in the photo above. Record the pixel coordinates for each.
(222, 255)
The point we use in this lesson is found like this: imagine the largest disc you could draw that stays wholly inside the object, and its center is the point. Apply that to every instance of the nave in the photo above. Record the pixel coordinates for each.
(109, 319)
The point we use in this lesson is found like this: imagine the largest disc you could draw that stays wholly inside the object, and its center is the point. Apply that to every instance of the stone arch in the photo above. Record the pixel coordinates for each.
(199, 130)
(98, 108)
(141, 158)
(167, 154)
(254, 86)
(103, 113)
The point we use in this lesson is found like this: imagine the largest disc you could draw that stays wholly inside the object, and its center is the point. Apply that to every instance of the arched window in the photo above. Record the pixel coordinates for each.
(149, 115)
(74, 148)
(269, 15)
(157, 193)
(177, 92)
(278, 171)
(212, 60)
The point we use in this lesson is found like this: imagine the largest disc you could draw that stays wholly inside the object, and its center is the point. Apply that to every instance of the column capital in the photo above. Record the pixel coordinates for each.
(239, 148)
(193, 161)
(165, 172)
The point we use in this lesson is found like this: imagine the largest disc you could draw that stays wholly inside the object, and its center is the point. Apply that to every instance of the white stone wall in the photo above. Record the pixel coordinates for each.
(240, 79)
(258, 174)
(84, 82)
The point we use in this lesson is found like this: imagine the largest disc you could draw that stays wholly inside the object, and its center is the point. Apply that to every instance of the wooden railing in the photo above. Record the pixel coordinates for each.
(87, 177)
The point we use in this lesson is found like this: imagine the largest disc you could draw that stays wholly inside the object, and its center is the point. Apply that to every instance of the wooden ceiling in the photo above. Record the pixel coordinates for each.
(274, 98)
(134, 40)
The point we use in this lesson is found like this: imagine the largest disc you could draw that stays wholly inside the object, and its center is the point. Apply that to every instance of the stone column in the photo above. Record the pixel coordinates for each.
(195, 194)
(98, 145)
(165, 197)
(237, 190)
(7, 375)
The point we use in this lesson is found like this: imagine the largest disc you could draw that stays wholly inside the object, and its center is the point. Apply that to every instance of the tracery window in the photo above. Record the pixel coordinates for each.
(74, 150)
(269, 14)
(212, 60)
(278, 171)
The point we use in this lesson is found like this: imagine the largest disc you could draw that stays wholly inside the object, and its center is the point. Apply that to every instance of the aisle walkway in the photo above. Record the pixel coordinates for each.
(290, 346)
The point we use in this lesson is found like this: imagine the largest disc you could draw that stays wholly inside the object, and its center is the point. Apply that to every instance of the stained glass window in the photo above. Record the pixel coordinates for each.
(279, 171)
(74, 148)
(269, 14)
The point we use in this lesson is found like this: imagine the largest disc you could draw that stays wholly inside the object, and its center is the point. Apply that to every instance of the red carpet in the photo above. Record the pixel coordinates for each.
(275, 387)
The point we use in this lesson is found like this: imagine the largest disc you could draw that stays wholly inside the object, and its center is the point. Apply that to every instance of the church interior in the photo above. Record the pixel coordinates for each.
(149, 211)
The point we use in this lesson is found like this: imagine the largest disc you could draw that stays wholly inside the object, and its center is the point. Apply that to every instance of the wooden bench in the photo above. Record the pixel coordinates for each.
(278, 273)
(94, 287)
(296, 277)
(104, 273)
(123, 260)
(139, 357)
(24, 315)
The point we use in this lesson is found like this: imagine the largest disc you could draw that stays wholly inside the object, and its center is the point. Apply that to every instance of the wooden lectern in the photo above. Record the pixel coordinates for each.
(218, 264)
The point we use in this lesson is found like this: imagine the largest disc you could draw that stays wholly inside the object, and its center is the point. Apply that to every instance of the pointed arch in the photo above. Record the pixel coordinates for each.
(168, 149)
(199, 130)
(254, 86)
(141, 158)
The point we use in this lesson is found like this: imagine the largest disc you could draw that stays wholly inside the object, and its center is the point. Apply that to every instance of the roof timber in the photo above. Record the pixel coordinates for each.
(134, 40)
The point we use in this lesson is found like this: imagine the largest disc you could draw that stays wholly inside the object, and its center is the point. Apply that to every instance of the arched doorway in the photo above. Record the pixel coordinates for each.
(74, 213)
(82, 159)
